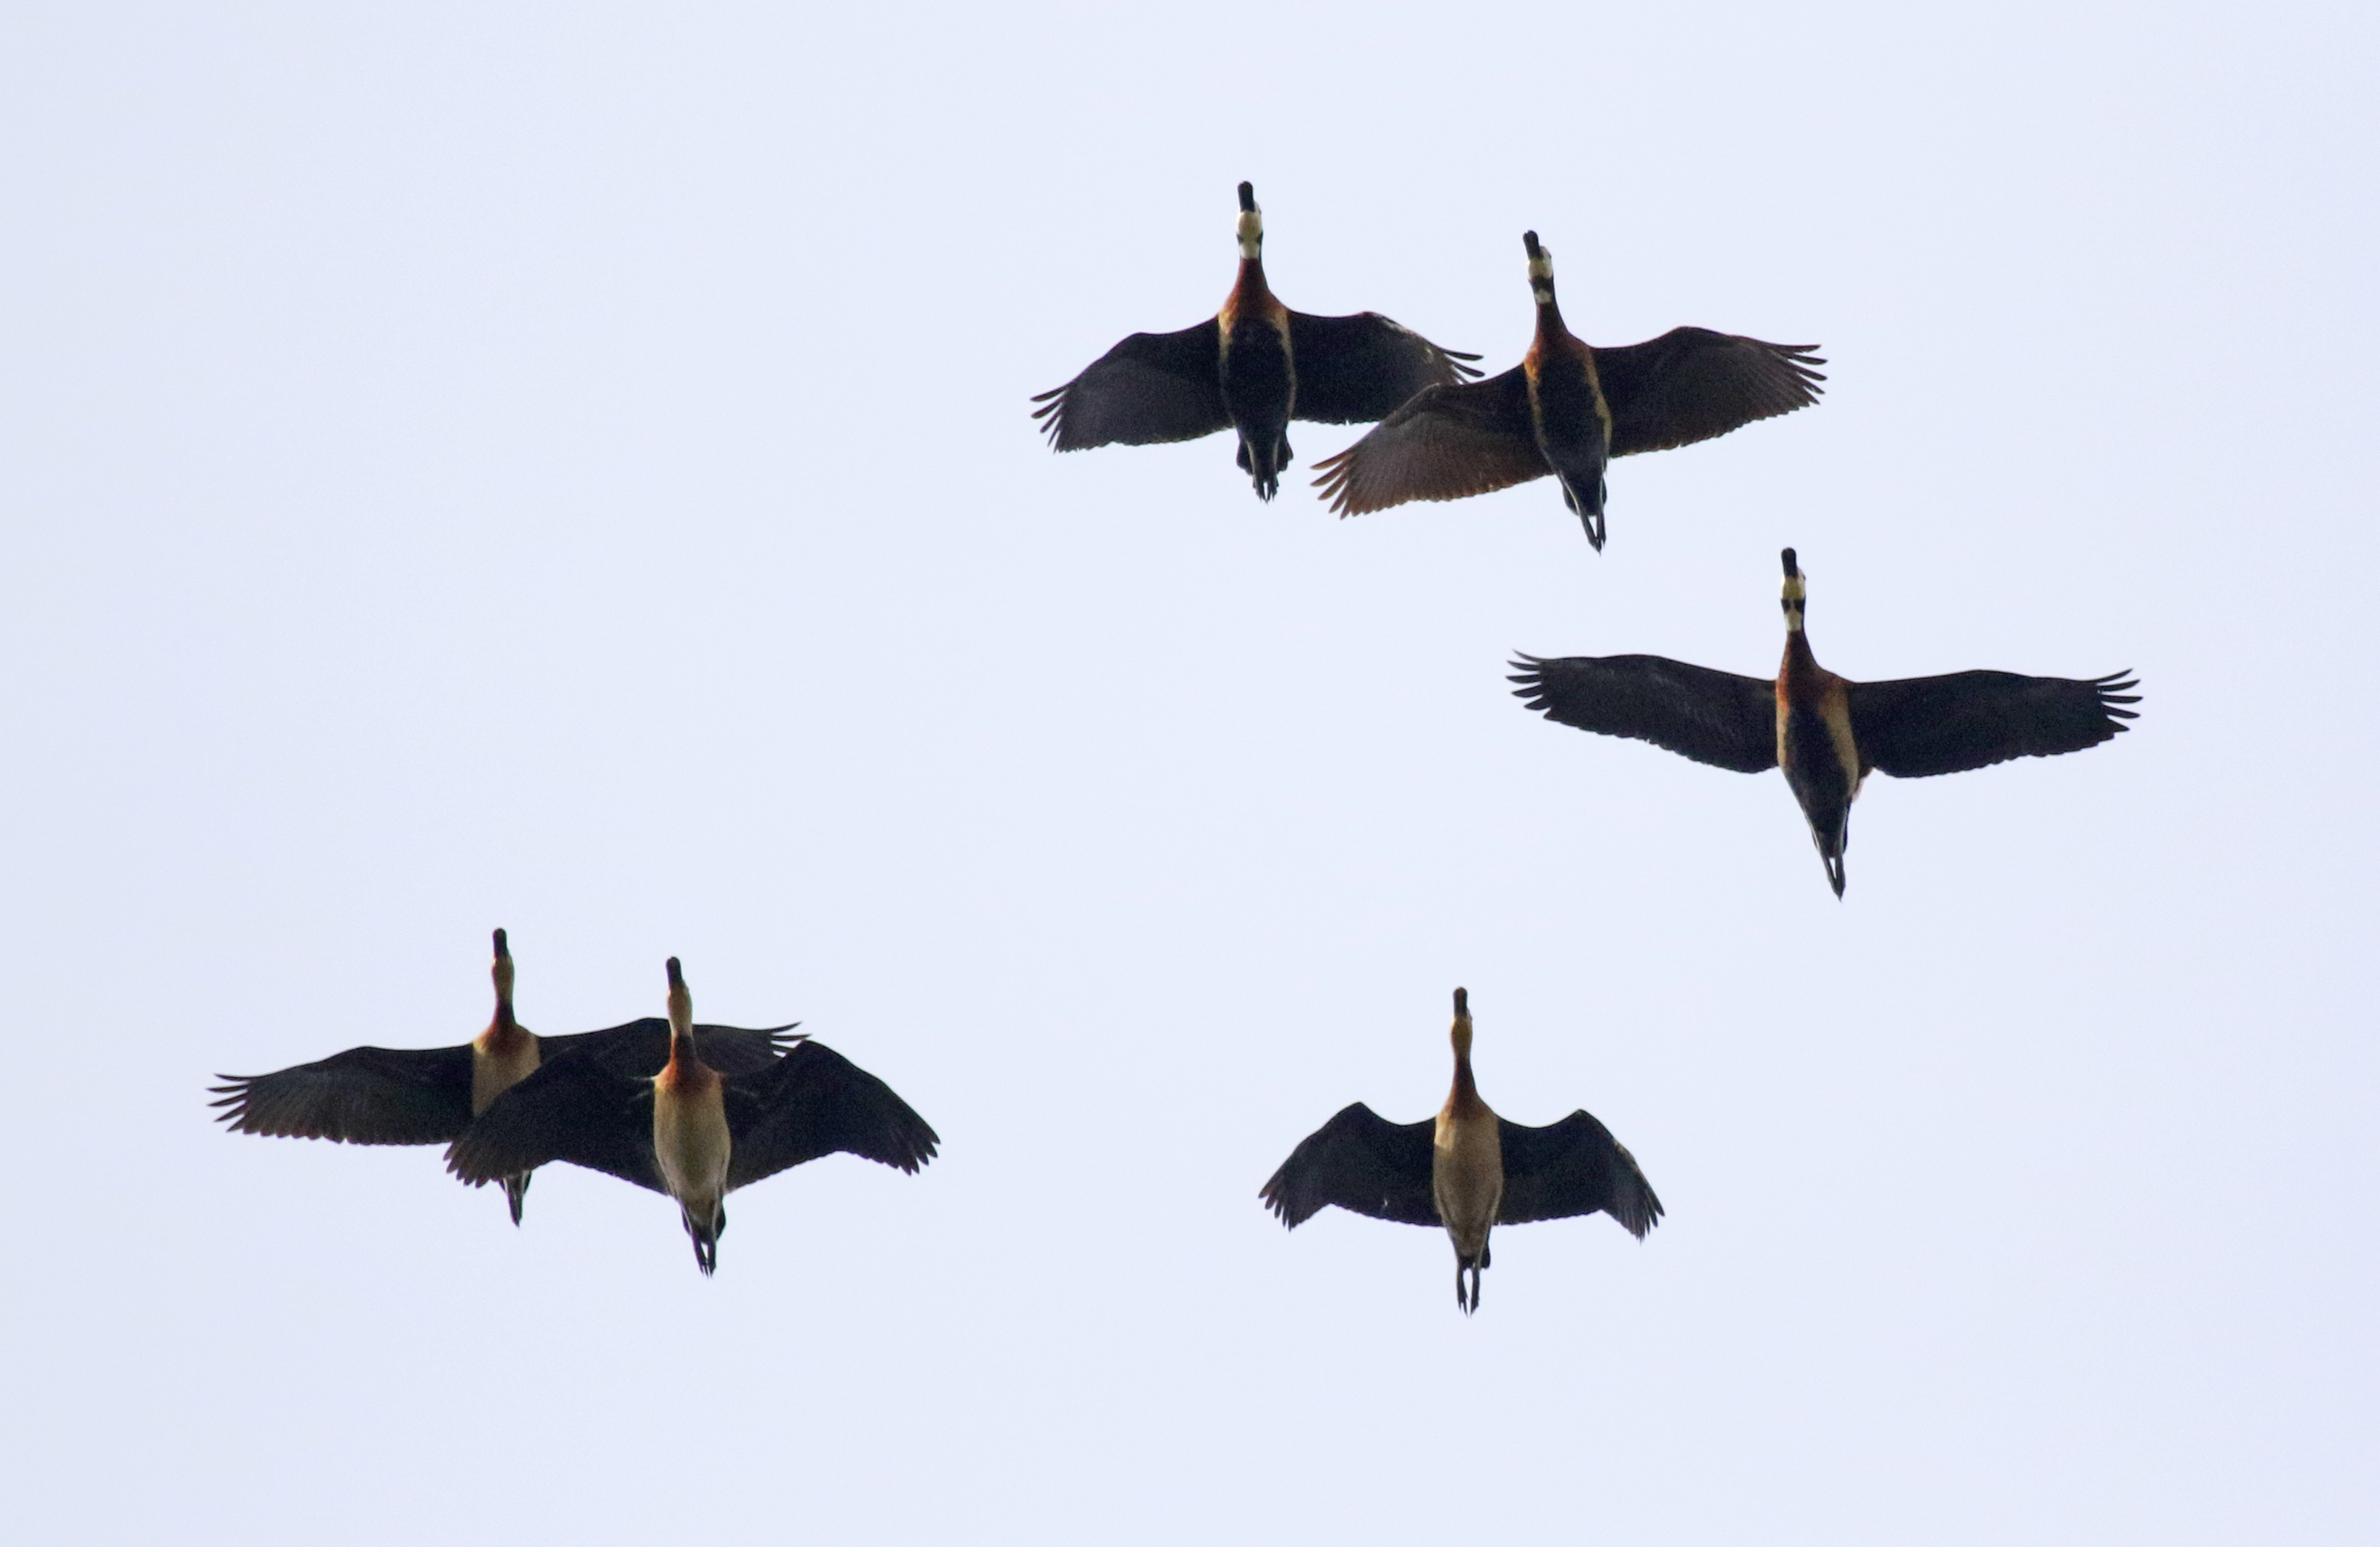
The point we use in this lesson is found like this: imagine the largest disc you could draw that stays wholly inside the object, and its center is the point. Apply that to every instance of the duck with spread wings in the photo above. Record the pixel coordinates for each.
(1250, 369)
(1567, 409)
(1466, 1169)
(1826, 733)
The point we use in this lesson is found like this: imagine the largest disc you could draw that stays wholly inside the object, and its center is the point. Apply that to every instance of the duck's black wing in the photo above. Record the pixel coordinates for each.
(1920, 726)
(1150, 388)
(1690, 383)
(1712, 717)
(1447, 443)
(1355, 369)
(572, 1109)
(1572, 1168)
(1361, 1162)
(640, 1047)
(815, 1102)
(365, 1095)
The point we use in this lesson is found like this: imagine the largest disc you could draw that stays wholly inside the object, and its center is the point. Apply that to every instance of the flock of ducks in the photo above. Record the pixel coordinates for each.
(695, 1111)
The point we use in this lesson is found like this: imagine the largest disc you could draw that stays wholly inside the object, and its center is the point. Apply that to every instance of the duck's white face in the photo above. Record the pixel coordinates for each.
(502, 973)
(1541, 276)
(1796, 596)
(1251, 234)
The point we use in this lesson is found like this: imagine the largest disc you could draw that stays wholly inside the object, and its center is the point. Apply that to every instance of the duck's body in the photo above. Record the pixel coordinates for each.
(1567, 409)
(1467, 1164)
(692, 1130)
(1815, 744)
(1826, 733)
(1569, 417)
(1257, 365)
(502, 1056)
(1252, 368)
(1466, 1170)
(691, 1142)
(431, 1095)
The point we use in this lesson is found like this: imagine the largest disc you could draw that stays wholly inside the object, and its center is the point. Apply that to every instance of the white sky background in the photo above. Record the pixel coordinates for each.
(570, 470)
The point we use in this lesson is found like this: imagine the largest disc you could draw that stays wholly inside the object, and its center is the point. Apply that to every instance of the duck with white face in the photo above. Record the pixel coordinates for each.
(1828, 733)
(1251, 368)
(1567, 409)
(1466, 1170)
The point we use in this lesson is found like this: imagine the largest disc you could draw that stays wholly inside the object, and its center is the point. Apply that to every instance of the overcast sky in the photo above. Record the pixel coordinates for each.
(567, 469)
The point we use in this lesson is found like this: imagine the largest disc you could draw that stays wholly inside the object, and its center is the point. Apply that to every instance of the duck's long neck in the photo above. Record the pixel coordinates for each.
(682, 1061)
(1250, 296)
(1799, 662)
(1466, 1093)
(1550, 329)
(504, 1029)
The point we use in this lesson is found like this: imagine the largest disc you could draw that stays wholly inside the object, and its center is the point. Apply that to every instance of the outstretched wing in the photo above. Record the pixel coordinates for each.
(1712, 717)
(814, 1102)
(1447, 443)
(1355, 369)
(1572, 1168)
(1364, 1164)
(1920, 726)
(571, 1109)
(1150, 388)
(365, 1095)
(640, 1047)
(1690, 383)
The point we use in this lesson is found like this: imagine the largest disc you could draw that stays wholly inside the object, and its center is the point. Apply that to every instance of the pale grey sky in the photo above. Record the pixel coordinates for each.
(569, 468)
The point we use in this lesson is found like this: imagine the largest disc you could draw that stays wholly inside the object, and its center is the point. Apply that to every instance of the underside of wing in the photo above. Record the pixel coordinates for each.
(1920, 726)
(815, 1102)
(1447, 442)
(1573, 1167)
(1690, 384)
(1712, 717)
(1360, 1162)
(365, 1095)
(1355, 369)
(572, 1109)
(1150, 388)
(640, 1047)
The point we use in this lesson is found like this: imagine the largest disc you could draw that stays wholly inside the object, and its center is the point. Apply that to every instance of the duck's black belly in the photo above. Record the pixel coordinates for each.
(1572, 428)
(1814, 770)
(1258, 385)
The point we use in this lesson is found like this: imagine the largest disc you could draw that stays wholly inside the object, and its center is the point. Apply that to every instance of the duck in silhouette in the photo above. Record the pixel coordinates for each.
(1465, 1169)
(1568, 408)
(1826, 733)
(1251, 368)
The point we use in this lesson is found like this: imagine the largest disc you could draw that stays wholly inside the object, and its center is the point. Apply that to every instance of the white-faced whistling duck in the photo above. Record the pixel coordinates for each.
(1252, 368)
(696, 1130)
(1568, 408)
(1466, 1168)
(429, 1095)
(1826, 733)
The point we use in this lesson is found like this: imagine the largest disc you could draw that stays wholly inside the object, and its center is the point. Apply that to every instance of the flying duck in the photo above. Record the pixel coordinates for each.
(1466, 1169)
(1252, 368)
(1568, 408)
(429, 1095)
(698, 1129)
(1826, 733)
